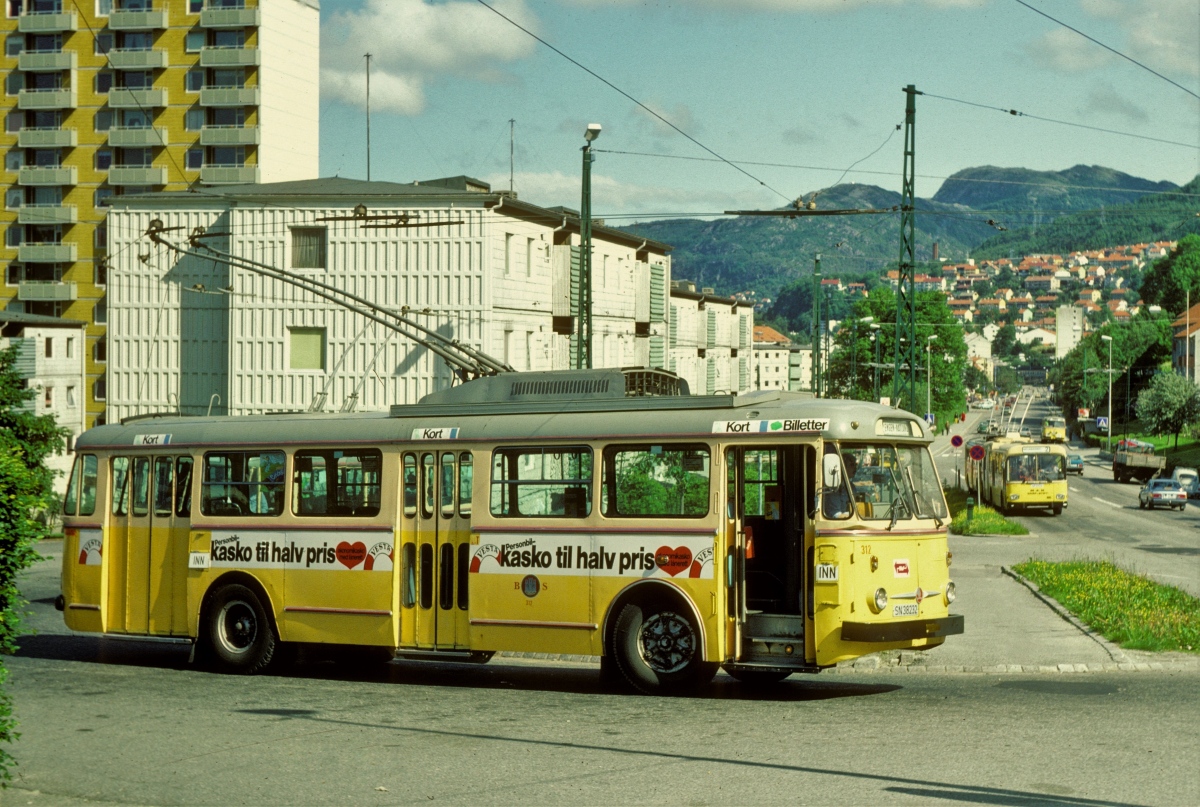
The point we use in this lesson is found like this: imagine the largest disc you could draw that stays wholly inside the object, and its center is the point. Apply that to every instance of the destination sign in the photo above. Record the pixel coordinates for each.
(438, 433)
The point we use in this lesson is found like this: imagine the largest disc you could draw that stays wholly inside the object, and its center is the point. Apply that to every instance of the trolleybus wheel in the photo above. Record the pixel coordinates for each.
(1058, 509)
(238, 630)
(756, 678)
(657, 649)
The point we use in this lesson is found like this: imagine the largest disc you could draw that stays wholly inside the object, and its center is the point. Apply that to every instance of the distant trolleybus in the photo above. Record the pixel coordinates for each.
(536, 512)
(1016, 473)
(1054, 429)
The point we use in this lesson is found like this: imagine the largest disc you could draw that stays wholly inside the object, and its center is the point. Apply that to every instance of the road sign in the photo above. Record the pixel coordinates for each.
(1102, 424)
(956, 441)
(977, 453)
(929, 417)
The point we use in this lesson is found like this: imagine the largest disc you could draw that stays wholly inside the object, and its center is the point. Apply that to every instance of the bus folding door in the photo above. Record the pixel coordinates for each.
(129, 546)
(170, 520)
(443, 546)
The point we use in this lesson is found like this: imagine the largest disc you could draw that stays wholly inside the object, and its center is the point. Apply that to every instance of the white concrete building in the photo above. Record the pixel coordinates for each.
(187, 332)
(50, 357)
(1069, 323)
(710, 340)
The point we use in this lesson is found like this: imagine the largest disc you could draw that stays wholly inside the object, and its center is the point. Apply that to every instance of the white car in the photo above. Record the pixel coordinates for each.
(1162, 493)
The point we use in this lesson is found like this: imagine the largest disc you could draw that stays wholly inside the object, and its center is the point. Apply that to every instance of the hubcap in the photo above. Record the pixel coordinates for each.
(667, 642)
(237, 626)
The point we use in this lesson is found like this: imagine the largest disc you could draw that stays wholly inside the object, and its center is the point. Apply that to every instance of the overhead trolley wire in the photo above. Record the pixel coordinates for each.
(612, 86)
(1110, 49)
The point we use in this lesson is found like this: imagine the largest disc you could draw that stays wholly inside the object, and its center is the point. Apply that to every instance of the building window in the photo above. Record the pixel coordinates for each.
(12, 276)
(49, 347)
(308, 247)
(14, 198)
(102, 197)
(100, 313)
(193, 121)
(508, 246)
(103, 159)
(195, 6)
(103, 120)
(70, 347)
(306, 348)
(103, 8)
(48, 400)
(14, 121)
(100, 389)
(100, 236)
(100, 273)
(71, 397)
(194, 41)
(104, 81)
(100, 351)
(14, 83)
(102, 44)
(194, 80)
(194, 159)
(13, 236)
(13, 46)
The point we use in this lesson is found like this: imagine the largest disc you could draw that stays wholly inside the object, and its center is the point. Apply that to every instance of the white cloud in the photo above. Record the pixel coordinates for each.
(412, 42)
(794, 6)
(1065, 50)
(611, 196)
(1105, 100)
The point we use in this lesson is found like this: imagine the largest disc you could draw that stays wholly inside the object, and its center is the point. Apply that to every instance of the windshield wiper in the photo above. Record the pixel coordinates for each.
(921, 503)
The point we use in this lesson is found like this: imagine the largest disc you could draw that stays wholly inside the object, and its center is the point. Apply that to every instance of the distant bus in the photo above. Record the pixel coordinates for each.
(1054, 430)
(671, 535)
(1016, 474)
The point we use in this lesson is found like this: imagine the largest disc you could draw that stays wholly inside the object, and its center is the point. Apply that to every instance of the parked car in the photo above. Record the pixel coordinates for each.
(1074, 464)
(1189, 480)
(1162, 492)
(985, 403)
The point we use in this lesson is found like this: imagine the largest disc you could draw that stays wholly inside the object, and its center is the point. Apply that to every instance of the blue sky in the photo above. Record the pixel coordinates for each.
(800, 82)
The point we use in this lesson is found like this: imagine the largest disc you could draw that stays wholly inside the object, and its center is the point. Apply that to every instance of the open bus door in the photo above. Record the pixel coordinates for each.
(768, 488)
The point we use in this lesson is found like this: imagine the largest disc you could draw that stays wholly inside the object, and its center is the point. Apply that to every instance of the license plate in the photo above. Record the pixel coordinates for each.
(909, 609)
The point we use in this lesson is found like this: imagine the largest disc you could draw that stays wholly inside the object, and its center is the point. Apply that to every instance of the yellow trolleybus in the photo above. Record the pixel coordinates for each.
(545, 512)
(1054, 429)
(1019, 474)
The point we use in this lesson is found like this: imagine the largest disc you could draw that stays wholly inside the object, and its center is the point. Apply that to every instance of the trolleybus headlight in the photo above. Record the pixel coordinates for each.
(879, 601)
(1012, 497)
(950, 595)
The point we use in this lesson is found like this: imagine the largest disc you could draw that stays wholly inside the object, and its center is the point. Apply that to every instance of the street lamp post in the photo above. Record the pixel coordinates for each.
(875, 338)
(928, 374)
(1109, 339)
(583, 348)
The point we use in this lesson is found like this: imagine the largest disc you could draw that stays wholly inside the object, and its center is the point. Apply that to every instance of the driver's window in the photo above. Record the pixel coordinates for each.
(836, 501)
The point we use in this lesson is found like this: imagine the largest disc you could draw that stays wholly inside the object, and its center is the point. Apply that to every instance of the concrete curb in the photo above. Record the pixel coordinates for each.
(1115, 653)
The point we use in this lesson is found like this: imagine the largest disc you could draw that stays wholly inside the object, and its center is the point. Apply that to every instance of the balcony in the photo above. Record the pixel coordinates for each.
(141, 175)
(47, 138)
(33, 22)
(229, 136)
(138, 59)
(46, 291)
(137, 138)
(229, 174)
(46, 99)
(33, 61)
(47, 175)
(229, 57)
(47, 214)
(46, 253)
(137, 99)
(229, 96)
(229, 18)
(152, 20)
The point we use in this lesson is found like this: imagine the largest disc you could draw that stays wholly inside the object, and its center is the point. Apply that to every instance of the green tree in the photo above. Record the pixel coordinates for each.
(1171, 279)
(1005, 343)
(1169, 405)
(26, 490)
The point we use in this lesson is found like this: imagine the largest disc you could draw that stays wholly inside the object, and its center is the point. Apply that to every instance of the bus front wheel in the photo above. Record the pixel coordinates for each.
(1058, 509)
(657, 649)
(238, 630)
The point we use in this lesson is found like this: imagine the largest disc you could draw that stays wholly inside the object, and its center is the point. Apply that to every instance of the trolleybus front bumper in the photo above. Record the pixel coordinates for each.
(902, 631)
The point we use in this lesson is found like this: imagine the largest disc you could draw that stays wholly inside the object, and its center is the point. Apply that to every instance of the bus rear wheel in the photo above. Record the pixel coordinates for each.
(238, 631)
(657, 649)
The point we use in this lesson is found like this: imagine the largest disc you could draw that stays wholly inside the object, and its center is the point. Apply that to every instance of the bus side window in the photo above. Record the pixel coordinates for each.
(410, 485)
(71, 499)
(446, 581)
(427, 482)
(163, 492)
(141, 485)
(87, 490)
(120, 486)
(426, 591)
(447, 492)
(464, 567)
(408, 594)
(465, 484)
(183, 487)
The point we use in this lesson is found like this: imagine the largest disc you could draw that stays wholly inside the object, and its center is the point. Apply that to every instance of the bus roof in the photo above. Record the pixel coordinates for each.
(553, 417)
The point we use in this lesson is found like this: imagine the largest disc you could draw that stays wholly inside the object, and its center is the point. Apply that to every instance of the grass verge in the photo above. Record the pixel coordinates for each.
(985, 520)
(1123, 607)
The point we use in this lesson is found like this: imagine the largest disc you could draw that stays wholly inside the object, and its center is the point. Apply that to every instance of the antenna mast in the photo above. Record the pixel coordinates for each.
(368, 116)
(511, 123)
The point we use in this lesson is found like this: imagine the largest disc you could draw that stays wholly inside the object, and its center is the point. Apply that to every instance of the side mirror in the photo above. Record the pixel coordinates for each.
(832, 470)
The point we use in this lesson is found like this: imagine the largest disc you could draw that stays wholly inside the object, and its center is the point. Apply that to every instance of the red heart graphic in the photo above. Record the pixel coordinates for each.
(673, 561)
(350, 555)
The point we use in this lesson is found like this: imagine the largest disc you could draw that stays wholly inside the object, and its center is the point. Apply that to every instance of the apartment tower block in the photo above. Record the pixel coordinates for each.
(108, 98)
